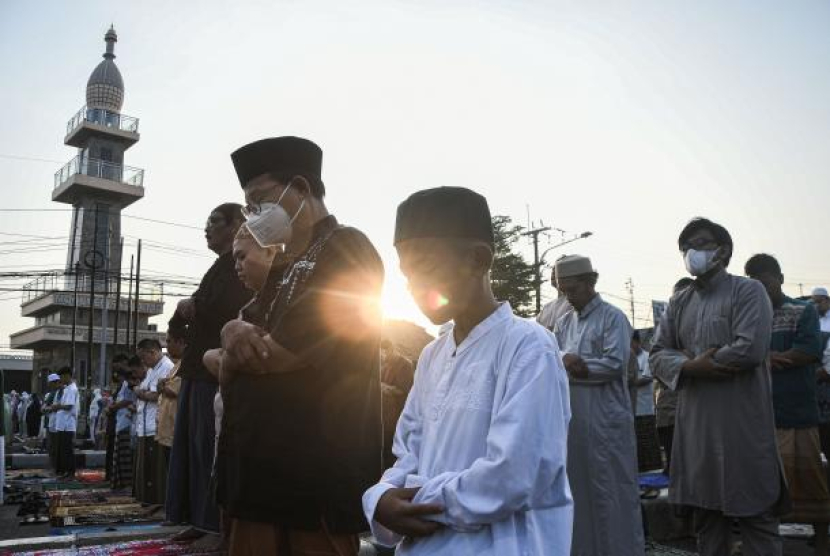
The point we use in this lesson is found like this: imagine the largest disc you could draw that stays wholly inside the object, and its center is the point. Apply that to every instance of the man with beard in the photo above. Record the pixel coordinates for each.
(218, 300)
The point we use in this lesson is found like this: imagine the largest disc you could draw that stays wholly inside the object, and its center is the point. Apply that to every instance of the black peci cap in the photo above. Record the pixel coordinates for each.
(293, 155)
(444, 212)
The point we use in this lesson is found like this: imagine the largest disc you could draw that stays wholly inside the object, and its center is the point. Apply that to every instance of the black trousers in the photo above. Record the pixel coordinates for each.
(65, 452)
(52, 447)
(110, 446)
(189, 497)
(666, 435)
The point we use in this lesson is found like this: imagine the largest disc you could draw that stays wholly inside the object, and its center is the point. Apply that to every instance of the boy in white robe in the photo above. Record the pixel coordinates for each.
(481, 444)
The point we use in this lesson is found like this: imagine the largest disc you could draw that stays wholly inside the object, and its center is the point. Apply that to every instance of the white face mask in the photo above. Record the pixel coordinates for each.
(270, 225)
(699, 263)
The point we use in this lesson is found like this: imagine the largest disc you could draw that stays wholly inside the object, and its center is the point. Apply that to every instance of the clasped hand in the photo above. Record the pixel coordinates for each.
(397, 512)
(705, 366)
(247, 345)
(576, 366)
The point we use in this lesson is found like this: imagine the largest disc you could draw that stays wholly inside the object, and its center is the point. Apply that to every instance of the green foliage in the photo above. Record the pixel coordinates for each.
(512, 277)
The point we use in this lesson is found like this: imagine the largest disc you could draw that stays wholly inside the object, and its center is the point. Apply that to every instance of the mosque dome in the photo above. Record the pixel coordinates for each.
(105, 88)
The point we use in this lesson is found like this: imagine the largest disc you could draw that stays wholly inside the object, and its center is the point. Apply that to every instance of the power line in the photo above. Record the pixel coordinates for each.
(201, 229)
(30, 158)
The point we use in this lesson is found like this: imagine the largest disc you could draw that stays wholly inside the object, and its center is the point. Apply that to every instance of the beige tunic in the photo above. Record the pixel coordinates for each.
(724, 456)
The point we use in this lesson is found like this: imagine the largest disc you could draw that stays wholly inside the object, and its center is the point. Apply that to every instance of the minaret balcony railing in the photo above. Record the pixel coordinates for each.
(101, 117)
(100, 169)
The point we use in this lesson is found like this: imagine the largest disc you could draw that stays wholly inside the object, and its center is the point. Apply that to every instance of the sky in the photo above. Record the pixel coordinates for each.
(625, 119)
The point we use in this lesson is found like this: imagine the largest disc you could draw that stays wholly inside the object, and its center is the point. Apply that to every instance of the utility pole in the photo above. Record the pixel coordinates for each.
(75, 312)
(117, 298)
(801, 289)
(137, 285)
(537, 266)
(629, 285)
(92, 262)
(129, 305)
(105, 308)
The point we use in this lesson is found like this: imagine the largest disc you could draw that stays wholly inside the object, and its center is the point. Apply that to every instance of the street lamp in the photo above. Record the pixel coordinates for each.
(540, 262)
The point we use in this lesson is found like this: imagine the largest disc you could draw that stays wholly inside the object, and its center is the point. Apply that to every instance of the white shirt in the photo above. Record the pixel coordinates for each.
(66, 420)
(824, 322)
(146, 415)
(124, 417)
(51, 419)
(484, 434)
(645, 394)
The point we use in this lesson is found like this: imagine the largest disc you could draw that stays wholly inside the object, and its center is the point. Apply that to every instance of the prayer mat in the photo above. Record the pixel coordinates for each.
(65, 485)
(89, 498)
(102, 510)
(90, 475)
(132, 548)
(653, 480)
(111, 528)
(654, 549)
(27, 474)
(103, 519)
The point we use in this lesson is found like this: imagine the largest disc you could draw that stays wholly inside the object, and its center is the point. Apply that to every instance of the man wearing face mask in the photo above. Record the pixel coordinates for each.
(301, 436)
(218, 300)
(595, 338)
(712, 346)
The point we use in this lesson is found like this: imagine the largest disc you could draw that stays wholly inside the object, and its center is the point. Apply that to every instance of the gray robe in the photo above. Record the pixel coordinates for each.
(724, 457)
(553, 311)
(602, 448)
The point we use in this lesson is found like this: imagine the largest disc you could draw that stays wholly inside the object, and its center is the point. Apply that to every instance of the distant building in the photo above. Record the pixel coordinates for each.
(15, 371)
(98, 185)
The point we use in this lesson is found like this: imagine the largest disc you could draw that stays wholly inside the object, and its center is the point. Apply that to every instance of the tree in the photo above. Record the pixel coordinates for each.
(512, 277)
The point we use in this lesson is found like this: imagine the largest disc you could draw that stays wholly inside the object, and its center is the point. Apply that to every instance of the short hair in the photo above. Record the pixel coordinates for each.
(177, 333)
(720, 234)
(120, 358)
(135, 361)
(635, 337)
(65, 370)
(762, 263)
(231, 212)
(149, 343)
(315, 183)
(683, 283)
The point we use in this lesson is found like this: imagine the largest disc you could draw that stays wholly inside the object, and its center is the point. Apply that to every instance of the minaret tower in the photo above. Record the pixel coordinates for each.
(96, 181)
(77, 316)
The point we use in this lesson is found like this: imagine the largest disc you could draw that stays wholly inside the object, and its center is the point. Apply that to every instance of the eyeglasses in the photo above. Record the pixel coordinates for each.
(256, 207)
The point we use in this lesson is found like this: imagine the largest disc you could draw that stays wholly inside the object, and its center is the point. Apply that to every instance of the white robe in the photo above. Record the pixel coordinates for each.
(484, 434)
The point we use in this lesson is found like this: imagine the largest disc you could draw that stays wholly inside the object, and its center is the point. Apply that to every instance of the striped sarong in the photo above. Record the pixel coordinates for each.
(122, 461)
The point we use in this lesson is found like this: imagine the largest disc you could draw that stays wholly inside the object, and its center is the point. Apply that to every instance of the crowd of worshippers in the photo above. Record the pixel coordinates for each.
(280, 421)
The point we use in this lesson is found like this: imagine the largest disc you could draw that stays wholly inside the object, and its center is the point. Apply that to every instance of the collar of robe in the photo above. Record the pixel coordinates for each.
(504, 311)
(590, 307)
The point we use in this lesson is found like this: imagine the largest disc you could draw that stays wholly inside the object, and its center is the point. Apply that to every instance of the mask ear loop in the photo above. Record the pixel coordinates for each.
(302, 204)
(299, 210)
